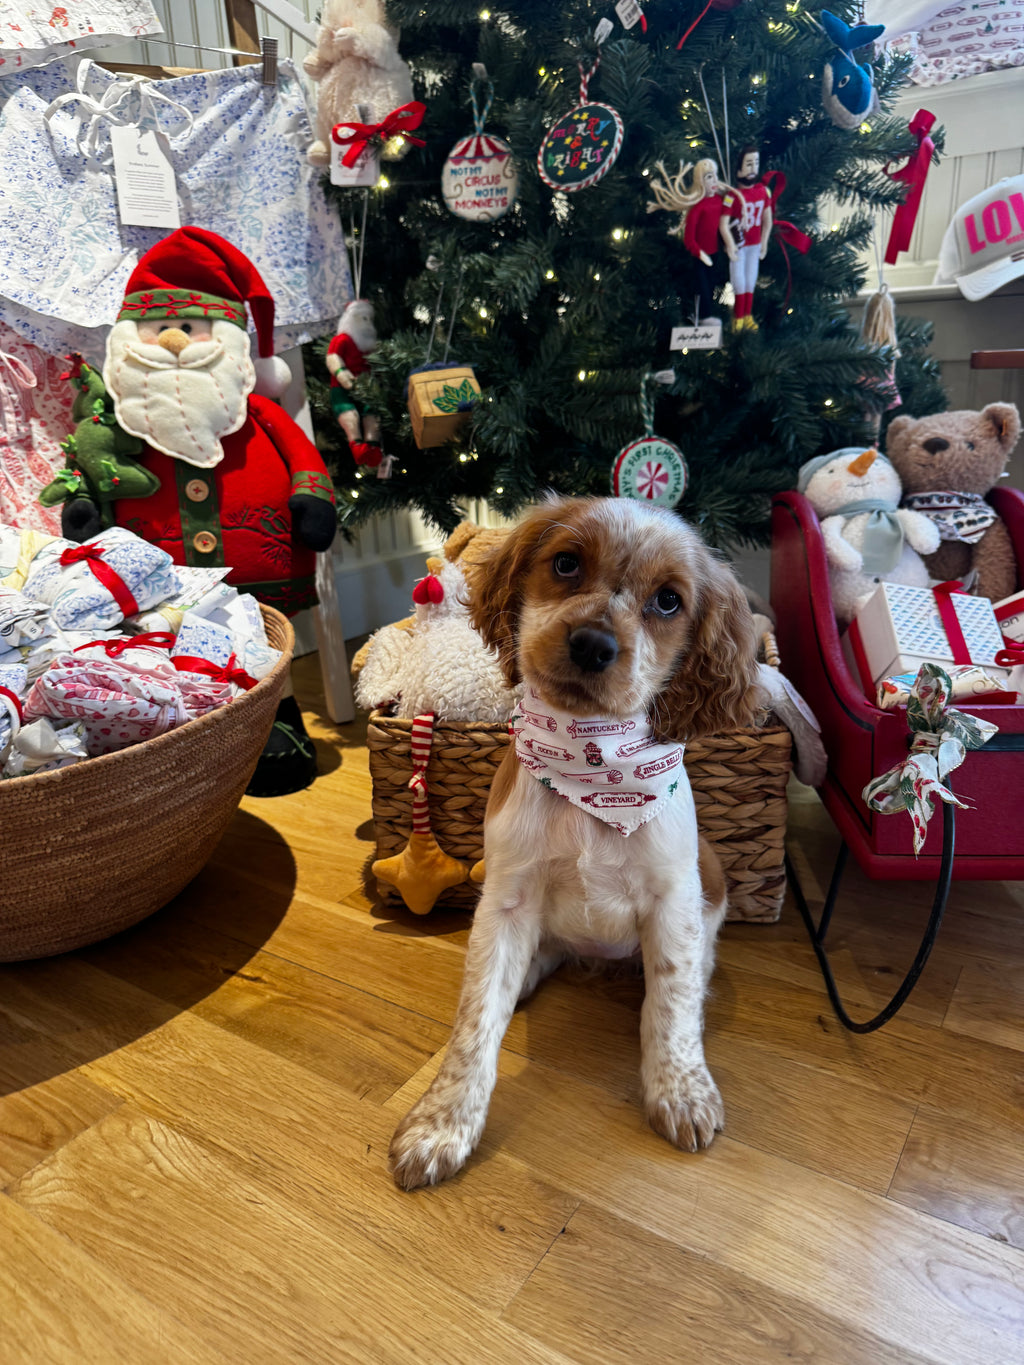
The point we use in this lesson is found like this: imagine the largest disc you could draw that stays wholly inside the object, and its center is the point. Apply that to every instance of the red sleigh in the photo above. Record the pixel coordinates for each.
(983, 842)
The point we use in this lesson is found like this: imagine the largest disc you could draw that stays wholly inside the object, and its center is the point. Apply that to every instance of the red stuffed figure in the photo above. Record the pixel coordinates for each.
(240, 482)
(346, 360)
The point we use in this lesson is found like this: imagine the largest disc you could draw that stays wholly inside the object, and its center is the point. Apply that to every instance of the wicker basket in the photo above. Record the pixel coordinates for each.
(738, 779)
(93, 848)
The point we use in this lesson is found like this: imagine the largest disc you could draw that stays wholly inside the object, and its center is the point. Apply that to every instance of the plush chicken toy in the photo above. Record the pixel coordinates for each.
(239, 483)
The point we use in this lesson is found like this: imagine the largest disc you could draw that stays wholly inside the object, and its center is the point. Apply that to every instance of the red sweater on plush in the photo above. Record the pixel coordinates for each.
(349, 354)
(237, 512)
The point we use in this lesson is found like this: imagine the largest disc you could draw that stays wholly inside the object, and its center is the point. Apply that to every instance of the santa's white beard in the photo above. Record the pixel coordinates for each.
(180, 404)
(362, 332)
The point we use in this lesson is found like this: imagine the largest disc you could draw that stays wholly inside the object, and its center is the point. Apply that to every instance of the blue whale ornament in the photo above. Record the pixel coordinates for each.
(847, 90)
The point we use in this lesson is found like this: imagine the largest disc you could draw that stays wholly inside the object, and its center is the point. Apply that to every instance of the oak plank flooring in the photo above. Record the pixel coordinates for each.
(194, 1119)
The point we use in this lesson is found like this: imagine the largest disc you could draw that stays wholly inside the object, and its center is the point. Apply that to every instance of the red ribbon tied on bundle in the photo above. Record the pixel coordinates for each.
(950, 621)
(229, 672)
(1011, 654)
(111, 580)
(13, 696)
(913, 175)
(399, 123)
(155, 639)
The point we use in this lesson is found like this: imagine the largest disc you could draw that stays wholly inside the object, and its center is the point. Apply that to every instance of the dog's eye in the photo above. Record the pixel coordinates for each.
(566, 565)
(666, 602)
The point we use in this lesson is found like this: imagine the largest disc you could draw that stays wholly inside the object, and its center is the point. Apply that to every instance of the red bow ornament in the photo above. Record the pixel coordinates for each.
(112, 581)
(399, 123)
(913, 175)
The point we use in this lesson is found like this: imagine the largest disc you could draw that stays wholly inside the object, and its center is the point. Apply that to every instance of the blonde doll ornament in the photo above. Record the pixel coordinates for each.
(704, 220)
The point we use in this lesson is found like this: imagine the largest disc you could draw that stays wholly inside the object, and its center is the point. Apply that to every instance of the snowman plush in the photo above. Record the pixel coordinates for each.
(868, 536)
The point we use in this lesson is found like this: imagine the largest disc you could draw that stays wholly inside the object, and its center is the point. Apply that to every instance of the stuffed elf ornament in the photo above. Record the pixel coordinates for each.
(240, 484)
(346, 360)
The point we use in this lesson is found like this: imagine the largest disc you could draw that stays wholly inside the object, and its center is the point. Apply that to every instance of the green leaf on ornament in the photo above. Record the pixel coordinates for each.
(454, 399)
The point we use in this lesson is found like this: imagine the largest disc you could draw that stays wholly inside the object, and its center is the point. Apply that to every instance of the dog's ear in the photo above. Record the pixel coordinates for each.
(715, 686)
(496, 592)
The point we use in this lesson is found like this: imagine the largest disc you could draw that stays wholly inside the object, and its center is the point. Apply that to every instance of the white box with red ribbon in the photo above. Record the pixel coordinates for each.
(899, 628)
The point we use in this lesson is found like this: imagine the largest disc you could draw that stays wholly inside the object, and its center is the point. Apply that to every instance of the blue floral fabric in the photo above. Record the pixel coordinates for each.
(238, 149)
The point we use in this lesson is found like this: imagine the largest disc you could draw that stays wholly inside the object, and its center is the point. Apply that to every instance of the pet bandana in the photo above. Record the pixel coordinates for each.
(613, 768)
(958, 516)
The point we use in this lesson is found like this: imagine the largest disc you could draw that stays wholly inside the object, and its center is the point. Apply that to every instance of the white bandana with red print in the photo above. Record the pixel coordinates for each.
(611, 767)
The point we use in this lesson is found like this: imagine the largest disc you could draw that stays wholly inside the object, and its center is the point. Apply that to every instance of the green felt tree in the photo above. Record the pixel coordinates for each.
(564, 304)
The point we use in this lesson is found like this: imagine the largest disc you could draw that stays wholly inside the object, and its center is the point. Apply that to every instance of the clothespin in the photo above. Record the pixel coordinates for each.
(268, 49)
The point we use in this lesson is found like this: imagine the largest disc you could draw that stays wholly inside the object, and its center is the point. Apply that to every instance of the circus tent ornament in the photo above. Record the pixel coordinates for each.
(479, 181)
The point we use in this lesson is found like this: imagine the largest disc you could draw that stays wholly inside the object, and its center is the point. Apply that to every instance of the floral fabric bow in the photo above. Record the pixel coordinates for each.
(941, 738)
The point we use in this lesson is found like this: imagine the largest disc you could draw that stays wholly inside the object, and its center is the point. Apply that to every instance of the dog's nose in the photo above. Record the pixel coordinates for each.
(592, 650)
(935, 445)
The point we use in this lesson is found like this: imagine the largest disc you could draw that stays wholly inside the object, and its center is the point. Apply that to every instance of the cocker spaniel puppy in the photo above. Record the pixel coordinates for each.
(631, 638)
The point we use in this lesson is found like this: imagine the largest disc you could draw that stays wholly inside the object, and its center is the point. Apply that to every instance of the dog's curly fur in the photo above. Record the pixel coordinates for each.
(558, 880)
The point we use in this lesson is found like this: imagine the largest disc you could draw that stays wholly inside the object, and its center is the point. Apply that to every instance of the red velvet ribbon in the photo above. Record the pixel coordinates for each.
(229, 672)
(1011, 654)
(6, 692)
(112, 581)
(943, 594)
(786, 231)
(156, 639)
(398, 123)
(696, 21)
(913, 175)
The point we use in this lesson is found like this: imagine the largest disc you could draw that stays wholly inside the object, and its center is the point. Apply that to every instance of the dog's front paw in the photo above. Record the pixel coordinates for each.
(431, 1143)
(688, 1111)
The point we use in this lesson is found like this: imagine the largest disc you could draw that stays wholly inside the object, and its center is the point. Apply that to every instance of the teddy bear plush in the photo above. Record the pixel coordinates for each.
(356, 63)
(868, 536)
(947, 463)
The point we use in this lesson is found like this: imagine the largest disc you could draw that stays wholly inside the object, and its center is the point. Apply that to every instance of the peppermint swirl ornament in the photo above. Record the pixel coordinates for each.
(583, 145)
(650, 469)
(479, 180)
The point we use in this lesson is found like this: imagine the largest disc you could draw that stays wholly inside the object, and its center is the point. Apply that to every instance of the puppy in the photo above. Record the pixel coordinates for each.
(630, 638)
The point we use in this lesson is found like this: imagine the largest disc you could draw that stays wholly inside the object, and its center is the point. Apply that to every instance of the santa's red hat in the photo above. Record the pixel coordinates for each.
(193, 273)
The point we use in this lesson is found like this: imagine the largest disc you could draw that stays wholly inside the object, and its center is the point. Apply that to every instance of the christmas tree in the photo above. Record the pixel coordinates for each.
(562, 306)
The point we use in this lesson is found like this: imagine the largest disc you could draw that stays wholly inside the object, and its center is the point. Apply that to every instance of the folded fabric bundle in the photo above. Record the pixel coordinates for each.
(97, 584)
(201, 590)
(13, 682)
(232, 655)
(41, 746)
(124, 691)
(22, 619)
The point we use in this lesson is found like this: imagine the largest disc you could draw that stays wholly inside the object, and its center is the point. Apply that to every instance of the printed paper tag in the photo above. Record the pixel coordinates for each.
(366, 170)
(629, 13)
(147, 193)
(706, 337)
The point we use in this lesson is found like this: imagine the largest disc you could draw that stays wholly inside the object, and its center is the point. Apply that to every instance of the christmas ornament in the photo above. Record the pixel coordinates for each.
(440, 395)
(703, 220)
(848, 92)
(479, 180)
(359, 138)
(750, 212)
(650, 469)
(583, 145)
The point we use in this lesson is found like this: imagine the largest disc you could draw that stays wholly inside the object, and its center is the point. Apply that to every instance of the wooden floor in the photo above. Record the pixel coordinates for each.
(194, 1119)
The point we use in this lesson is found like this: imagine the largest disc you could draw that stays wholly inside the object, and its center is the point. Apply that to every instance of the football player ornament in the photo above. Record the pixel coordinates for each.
(650, 468)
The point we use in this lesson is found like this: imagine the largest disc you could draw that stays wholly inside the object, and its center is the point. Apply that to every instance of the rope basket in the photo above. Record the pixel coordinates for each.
(738, 778)
(93, 848)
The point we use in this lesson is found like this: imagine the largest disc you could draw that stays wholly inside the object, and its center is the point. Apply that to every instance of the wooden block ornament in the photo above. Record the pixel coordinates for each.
(440, 402)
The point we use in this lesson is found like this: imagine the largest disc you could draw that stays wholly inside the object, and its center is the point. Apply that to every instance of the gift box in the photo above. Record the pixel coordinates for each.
(899, 628)
(1009, 614)
(440, 403)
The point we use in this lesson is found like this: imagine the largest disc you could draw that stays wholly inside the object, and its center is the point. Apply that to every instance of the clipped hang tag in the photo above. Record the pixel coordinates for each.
(705, 337)
(603, 31)
(629, 13)
(664, 376)
(365, 171)
(147, 193)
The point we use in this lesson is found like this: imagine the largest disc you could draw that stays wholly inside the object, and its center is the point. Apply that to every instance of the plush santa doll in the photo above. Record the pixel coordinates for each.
(346, 360)
(240, 484)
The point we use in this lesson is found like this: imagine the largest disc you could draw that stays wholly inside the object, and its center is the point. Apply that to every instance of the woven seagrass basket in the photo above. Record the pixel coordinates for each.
(91, 849)
(738, 778)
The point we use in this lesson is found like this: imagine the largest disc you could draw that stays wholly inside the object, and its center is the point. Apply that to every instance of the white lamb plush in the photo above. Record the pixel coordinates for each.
(355, 62)
(441, 664)
(868, 536)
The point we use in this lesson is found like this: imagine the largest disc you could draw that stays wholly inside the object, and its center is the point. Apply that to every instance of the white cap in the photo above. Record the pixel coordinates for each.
(983, 248)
